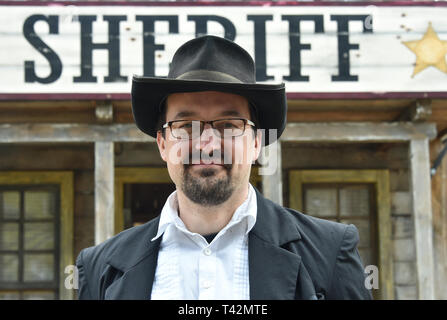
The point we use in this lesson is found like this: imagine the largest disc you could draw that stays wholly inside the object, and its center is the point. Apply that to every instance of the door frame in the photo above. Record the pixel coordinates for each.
(380, 180)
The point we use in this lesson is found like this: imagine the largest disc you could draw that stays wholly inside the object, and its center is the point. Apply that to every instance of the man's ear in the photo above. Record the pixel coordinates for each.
(161, 143)
(258, 145)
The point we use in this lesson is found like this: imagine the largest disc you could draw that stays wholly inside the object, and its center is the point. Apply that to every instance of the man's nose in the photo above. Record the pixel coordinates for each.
(209, 140)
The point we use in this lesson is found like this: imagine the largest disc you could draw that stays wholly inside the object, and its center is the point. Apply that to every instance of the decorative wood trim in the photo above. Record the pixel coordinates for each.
(65, 180)
(380, 179)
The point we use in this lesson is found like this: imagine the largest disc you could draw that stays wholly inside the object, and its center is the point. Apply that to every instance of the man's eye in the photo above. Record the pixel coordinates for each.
(186, 125)
(229, 125)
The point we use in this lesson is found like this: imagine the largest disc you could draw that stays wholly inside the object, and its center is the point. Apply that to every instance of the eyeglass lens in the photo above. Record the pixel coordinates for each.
(190, 129)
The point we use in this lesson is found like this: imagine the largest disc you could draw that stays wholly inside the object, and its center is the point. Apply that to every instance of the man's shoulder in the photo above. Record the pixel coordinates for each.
(320, 234)
(129, 238)
(311, 225)
(282, 217)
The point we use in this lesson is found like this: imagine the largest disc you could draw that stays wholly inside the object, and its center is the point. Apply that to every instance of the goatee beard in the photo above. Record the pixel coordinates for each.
(206, 189)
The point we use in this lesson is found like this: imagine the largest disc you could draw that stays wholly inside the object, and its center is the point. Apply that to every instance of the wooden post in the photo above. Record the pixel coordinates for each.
(104, 192)
(439, 208)
(443, 233)
(271, 172)
(422, 215)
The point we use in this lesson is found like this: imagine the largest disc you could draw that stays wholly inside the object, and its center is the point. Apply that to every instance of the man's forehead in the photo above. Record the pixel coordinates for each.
(180, 114)
(206, 96)
(203, 103)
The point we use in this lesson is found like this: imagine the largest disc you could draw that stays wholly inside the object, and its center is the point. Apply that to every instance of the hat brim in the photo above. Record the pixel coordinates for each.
(148, 93)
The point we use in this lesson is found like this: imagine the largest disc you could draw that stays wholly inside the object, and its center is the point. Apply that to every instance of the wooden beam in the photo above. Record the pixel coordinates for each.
(47, 115)
(357, 132)
(104, 191)
(300, 132)
(422, 214)
(29, 133)
(341, 115)
(346, 104)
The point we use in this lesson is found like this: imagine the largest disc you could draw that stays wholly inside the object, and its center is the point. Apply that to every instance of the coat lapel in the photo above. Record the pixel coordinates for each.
(274, 272)
(138, 264)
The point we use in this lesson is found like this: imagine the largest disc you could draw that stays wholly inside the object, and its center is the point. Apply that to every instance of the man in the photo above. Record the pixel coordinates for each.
(217, 237)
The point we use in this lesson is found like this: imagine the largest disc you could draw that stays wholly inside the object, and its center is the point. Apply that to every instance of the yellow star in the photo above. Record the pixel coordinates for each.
(430, 51)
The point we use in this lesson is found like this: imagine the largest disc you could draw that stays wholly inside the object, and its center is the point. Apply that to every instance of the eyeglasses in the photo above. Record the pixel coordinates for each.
(192, 129)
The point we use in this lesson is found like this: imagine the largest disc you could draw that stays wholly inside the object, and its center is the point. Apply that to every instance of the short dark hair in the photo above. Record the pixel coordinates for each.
(162, 117)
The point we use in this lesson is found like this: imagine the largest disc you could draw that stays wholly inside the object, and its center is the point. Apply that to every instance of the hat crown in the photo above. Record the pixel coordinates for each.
(212, 58)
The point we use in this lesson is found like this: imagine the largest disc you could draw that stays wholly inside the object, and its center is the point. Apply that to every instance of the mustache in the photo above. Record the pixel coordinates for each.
(197, 158)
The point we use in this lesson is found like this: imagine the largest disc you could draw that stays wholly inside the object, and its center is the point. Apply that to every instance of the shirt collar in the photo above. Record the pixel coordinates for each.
(169, 214)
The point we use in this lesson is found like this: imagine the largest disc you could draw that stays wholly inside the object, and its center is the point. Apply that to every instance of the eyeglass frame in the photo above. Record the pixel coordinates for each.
(211, 122)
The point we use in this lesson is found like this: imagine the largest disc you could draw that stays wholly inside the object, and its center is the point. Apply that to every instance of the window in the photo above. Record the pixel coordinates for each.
(29, 242)
(36, 234)
(360, 197)
(349, 204)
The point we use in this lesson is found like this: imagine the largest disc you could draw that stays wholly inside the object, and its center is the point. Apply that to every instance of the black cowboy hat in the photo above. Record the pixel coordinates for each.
(210, 63)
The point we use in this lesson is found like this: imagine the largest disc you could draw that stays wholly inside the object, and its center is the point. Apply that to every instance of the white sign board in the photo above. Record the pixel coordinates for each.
(94, 49)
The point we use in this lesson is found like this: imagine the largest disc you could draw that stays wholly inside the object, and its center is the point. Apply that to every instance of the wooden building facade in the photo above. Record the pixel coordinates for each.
(74, 169)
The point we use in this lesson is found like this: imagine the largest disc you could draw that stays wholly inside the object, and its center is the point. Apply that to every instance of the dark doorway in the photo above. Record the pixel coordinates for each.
(144, 201)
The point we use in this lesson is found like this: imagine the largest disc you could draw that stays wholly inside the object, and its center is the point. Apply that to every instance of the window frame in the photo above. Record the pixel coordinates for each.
(380, 180)
(64, 179)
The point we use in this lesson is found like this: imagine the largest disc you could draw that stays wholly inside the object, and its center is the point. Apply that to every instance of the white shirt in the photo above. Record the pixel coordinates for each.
(189, 268)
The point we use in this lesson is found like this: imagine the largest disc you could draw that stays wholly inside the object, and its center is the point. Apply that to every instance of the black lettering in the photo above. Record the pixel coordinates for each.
(43, 48)
(295, 44)
(202, 25)
(149, 45)
(112, 46)
(260, 47)
(344, 46)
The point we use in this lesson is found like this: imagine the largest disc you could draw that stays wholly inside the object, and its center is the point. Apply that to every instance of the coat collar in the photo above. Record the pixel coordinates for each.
(273, 270)
(274, 224)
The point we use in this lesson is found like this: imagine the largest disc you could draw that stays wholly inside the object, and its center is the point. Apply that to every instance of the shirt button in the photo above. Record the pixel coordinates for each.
(207, 251)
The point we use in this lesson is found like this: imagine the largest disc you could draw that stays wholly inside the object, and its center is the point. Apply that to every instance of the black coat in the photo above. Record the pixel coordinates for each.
(291, 256)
